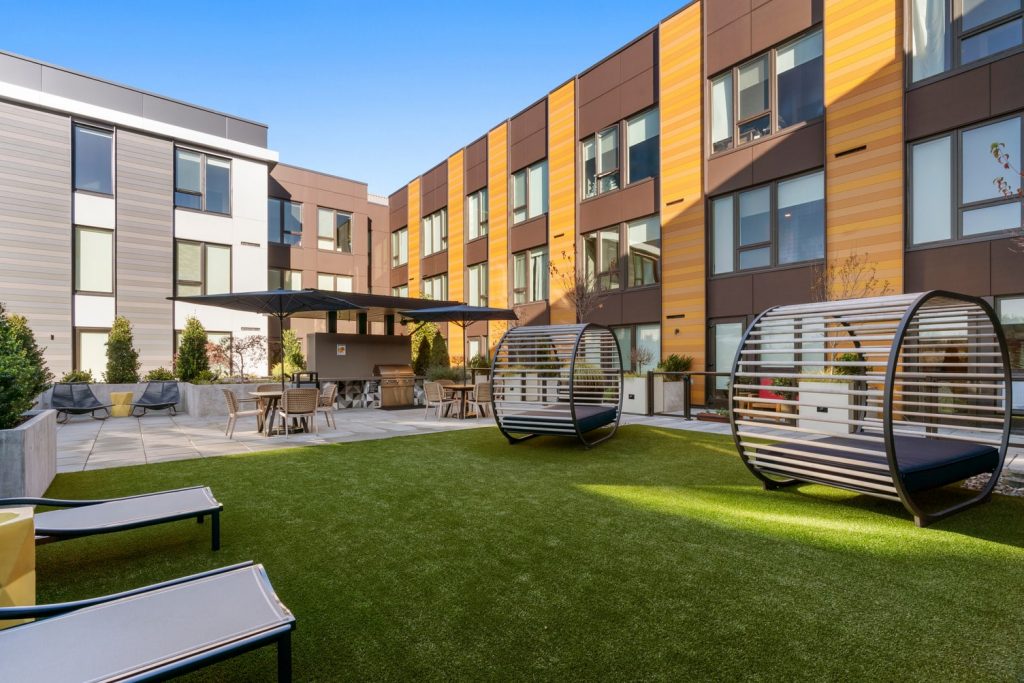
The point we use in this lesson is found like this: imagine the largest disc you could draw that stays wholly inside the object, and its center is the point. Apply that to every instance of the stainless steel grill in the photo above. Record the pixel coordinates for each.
(396, 385)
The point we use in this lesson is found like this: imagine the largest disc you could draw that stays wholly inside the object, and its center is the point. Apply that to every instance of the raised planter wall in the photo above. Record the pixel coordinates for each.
(634, 395)
(28, 456)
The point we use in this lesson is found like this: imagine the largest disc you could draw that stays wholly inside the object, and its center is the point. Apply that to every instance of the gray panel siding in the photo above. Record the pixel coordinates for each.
(35, 225)
(145, 243)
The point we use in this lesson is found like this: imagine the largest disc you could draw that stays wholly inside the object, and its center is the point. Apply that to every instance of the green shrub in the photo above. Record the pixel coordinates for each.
(848, 369)
(293, 350)
(675, 363)
(418, 333)
(192, 358)
(206, 377)
(21, 369)
(421, 359)
(437, 372)
(439, 352)
(289, 370)
(160, 374)
(122, 359)
(77, 376)
(479, 362)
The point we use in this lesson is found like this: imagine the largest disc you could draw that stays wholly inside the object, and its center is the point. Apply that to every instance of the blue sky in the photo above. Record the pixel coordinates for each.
(375, 91)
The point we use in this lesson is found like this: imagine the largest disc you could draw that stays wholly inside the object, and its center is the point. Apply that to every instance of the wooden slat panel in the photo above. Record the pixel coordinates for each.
(456, 249)
(864, 106)
(145, 244)
(682, 201)
(415, 226)
(35, 226)
(497, 227)
(562, 197)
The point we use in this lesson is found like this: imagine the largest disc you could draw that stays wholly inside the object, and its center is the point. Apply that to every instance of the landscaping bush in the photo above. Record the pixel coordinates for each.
(439, 352)
(77, 376)
(293, 350)
(479, 362)
(418, 333)
(160, 374)
(848, 369)
(122, 358)
(289, 370)
(206, 377)
(421, 359)
(192, 359)
(675, 363)
(21, 368)
(436, 372)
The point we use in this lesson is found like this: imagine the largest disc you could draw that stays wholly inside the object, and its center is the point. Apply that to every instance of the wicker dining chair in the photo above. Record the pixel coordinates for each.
(300, 403)
(326, 403)
(235, 412)
(436, 399)
(480, 399)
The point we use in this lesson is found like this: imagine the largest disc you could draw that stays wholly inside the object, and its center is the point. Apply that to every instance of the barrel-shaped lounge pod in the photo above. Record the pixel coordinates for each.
(887, 396)
(560, 380)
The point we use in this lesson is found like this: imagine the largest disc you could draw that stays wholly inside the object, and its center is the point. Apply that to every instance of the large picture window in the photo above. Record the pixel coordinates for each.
(953, 195)
(476, 214)
(476, 284)
(636, 342)
(201, 268)
(770, 93)
(284, 222)
(629, 252)
(530, 192)
(945, 34)
(94, 260)
(202, 181)
(333, 230)
(94, 159)
(436, 287)
(435, 232)
(530, 276)
(399, 247)
(748, 233)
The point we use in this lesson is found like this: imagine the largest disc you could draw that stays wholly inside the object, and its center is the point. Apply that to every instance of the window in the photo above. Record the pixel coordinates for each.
(401, 290)
(94, 160)
(634, 247)
(476, 346)
(476, 284)
(637, 342)
(91, 352)
(744, 107)
(278, 278)
(476, 214)
(201, 268)
(982, 28)
(399, 247)
(333, 230)
(642, 145)
(202, 181)
(530, 192)
(334, 283)
(530, 276)
(94, 260)
(952, 193)
(746, 232)
(436, 287)
(284, 222)
(725, 342)
(602, 163)
(435, 232)
(1011, 314)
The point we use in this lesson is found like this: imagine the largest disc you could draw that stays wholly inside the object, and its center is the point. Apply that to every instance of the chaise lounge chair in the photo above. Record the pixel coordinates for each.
(150, 633)
(158, 396)
(91, 517)
(76, 399)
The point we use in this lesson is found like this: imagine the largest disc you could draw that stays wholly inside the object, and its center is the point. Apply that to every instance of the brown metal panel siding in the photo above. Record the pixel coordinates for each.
(145, 243)
(1007, 275)
(476, 152)
(530, 149)
(782, 287)
(532, 233)
(1009, 75)
(730, 296)
(965, 264)
(279, 256)
(476, 251)
(633, 201)
(728, 45)
(641, 305)
(731, 171)
(955, 101)
(528, 122)
(777, 20)
(435, 264)
(779, 156)
(434, 190)
(718, 13)
(535, 313)
(620, 86)
(399, 276)
(35, 225)
(476, 178)
(398, 206)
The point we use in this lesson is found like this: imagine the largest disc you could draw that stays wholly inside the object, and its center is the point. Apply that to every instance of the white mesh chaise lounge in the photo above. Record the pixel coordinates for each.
(91, 517)
(151, 633)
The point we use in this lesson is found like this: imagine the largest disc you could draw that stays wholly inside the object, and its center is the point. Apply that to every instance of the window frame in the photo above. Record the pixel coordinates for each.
(627, 361)
(399, 288)
(622, 271)
(955, 36)
(396, 255)
(433, 279)
(482, 277)
(334, 277)
(202, 266)
(74, 260)
(773, 97)
(282, 271)
(773, 228)
(78, 344)
(529, 295)
(483, 225)
(997, 305)
(622, 157)
(443, 214)
(545, 198)
(202, 182)
(74, 159)
(281, 213)
(334, 230)
(956, 204)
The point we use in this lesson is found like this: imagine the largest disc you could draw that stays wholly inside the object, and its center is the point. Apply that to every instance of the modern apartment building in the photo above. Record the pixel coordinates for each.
(713, 166)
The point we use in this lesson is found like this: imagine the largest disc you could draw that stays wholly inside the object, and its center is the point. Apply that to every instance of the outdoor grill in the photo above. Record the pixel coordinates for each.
(396, 385)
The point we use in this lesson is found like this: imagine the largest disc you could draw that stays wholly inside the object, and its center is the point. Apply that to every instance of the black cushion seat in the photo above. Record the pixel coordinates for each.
(556, 418)
(924, 463)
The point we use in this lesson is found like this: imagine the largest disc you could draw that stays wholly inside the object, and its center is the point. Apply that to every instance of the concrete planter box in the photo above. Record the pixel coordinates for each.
(669, 397)
(28, 456)
(832, 406)
(634, 399)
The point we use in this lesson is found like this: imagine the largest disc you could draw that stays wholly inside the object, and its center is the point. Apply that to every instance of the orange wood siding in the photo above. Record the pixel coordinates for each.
(864, 106)
(415, 225)
(562, 198)
(456, 248)
(497, 227)
(682, 201)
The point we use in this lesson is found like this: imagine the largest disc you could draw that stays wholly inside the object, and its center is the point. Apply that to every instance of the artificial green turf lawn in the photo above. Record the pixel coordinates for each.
(655, 555)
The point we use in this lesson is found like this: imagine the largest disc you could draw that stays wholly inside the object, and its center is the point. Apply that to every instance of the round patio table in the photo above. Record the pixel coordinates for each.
(463, 393)
(265, 422)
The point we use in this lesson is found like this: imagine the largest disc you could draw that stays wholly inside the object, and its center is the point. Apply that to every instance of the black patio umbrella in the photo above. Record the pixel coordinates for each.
(279, 303)
(462, 315)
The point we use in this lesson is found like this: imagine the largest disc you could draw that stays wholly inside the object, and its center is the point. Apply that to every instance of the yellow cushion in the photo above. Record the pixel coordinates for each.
(17, 559)
(122, 401)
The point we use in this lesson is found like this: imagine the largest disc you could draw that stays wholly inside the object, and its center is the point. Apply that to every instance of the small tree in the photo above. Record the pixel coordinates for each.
(580, 290)
(853, 277)
(639, 357)
(418, 333)
(19, 372)
(192, 361)
(122, 358)
(243, 352)
(293, 350)
(439, 353)
(1006, 187)
(421, 358)
(42, 378)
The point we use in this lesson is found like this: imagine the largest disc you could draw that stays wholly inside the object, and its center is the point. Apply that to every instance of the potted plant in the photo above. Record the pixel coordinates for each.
(669, 389)
(634, 383)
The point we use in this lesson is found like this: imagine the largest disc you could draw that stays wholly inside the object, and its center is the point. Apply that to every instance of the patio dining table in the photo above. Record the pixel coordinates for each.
(265, 420)
(462, 391)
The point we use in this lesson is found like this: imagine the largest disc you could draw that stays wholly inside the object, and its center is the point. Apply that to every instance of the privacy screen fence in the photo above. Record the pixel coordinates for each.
(889, 396)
